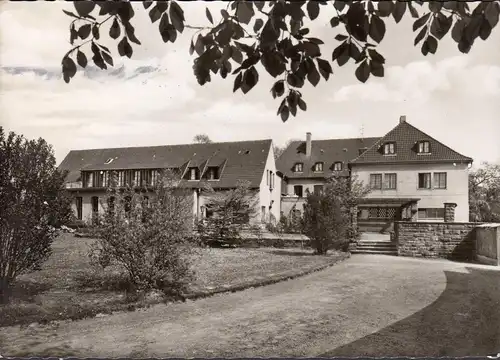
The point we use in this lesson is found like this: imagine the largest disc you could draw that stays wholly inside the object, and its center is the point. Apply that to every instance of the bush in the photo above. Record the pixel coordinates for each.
(33, 202)
(148, 238)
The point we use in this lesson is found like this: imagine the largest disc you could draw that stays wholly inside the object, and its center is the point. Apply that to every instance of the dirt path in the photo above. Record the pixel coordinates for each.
(367, 305)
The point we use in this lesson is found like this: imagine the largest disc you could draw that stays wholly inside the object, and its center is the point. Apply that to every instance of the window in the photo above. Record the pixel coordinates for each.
(298, 167)
(147, 177)
(87, 179)
(318, 167)
(94, 200)
(382, 213)
(337, 166)
(362, 150)
(79, 207)
(267, 173)
(376, 181)
(318, 189)
(263, 213)
(193, 174)
(389, 148)
(111, 204)
(431, 213)
(297, 190)
(212, 173)
(390, 181)
(137, 178)
(271, 179)
(440, 180)
(423, 147)
(424, 180)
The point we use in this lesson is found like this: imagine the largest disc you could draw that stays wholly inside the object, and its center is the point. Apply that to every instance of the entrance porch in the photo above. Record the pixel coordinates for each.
(377, 215)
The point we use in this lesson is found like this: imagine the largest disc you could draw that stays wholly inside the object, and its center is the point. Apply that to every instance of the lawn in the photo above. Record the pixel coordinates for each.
(68, 287)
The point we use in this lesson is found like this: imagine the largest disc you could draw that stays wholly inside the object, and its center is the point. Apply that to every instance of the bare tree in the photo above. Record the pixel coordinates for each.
(202, 139)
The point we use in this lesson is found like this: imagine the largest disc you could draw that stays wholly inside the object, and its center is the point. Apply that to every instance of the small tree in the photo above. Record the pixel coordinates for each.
(232, 211)
(202, 139)
(148, 234)
(328, 215)
(32, 202)
(484, 193)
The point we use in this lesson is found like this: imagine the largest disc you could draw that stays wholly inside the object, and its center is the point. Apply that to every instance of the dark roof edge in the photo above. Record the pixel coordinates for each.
(410, 162)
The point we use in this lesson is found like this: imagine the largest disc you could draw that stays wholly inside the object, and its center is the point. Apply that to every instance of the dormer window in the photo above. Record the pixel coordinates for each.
(424, 147)
(318, 167)
(109, 161)
(389, 148)
(298, 167)
(337, 166)
(212, 173)
(193, 173)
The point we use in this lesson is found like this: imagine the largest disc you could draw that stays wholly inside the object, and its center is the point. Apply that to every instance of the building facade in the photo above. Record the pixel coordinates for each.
(220, 165)
(410, 174)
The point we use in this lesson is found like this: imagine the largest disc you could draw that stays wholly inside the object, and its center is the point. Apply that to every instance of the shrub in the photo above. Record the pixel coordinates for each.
(149, 238)
(32, 202)
(231, 211)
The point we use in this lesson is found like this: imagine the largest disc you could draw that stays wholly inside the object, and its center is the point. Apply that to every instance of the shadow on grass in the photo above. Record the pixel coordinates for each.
(292, 253)
(26, 290)
(95, 281)
(463, 321)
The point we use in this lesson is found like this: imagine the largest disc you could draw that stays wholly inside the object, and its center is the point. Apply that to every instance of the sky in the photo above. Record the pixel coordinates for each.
(154, 99)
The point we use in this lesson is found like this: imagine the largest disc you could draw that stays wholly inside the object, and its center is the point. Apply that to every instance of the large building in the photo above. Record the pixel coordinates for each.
(411, 175)
(219, 164)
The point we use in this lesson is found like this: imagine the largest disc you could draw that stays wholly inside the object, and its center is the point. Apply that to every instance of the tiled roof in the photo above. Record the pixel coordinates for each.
(326, 151)
(242, 160)
(406, 138)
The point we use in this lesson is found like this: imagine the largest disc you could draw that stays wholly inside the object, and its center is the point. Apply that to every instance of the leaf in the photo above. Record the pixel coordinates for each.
(236, 54)
(107, 58)
(363, 72)
(339, 4)
(269, 34)
(295, 80)
(73, 34)
(413, 11)
(191, 47)
(176, 17)
(278, 89)
(302, 104)
(354, 52)
(83, 8)
(421, 21)
(334, 21)
(315, 40)
(68, 68)
(375, 56)
(69, 13)
(485, 30)
(98, 61)
(311, 49)
(237, 82)
(244, 11)
(435, 6)
(199, 46)
(458, 30)
(420, 36)
(344, 56)
(209, 16)
(472, 29)
(425, 48)
(224, 14)
(285, 113)
(324, 68)
(167, 30)
(441, 25)
(313, 75)
(492, 13)
(114, 30)
(312, 9)
(399, 10)
(273, 63)
(84, 31)
(81, 59)
(95, 32)
(155, 13)
(341, 37)
(377, 28)
(130, 31)
(376, 69)
(385, 7)
(250, 79)
(124, 48)
(147, 4)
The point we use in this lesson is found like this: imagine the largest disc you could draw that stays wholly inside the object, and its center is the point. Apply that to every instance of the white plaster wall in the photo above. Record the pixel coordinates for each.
(407, 185)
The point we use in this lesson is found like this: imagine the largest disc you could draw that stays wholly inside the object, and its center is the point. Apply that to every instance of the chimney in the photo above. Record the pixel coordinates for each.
(402, 119)
(308, 144)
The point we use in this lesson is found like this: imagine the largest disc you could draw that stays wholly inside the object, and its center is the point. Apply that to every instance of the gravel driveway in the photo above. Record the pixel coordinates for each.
(368, 305)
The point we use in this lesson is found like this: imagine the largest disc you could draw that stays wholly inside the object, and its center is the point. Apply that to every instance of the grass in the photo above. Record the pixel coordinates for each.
(68, 287)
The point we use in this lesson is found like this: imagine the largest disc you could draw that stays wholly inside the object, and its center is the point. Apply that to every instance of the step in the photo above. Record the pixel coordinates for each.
(375, 252)
(370, 248)
(366, 243)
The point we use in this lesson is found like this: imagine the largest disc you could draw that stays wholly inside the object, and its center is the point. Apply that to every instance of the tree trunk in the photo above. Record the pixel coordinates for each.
(5, 290)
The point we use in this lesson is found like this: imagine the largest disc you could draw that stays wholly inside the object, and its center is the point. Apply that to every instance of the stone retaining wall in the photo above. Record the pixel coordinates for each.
(488, 244)
(448, 240)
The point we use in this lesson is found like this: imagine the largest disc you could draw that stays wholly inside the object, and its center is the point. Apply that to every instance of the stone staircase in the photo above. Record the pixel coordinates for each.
(381, 247)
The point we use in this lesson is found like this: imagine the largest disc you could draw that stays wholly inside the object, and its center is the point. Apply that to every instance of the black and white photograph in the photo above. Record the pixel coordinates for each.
(249, 179)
